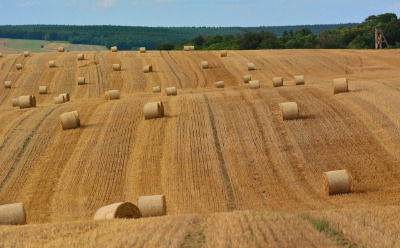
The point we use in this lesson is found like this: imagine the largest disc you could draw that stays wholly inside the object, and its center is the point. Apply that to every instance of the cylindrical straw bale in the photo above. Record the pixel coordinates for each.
(59, 99)
(7, 84)
(125, 210)
(116, 67)
(188, 48)
(156, 89)
(340, 85)
(66, 97)
(52, 63)
(251, 67)
(254, 84)
(299, 80)
(153, 205)
(277, 81)
(172, 91)
(42, 89)
(27, 53)
(220, 84)
(204, 64)
(142, 49)
(76, 113)
(114, 49)
(289, 110)
(337, 182)
(112, 95)
(34, 101)
(81, 80)
(153, 110)
(18, 66)
(147, 68)
(70, 120)
(12, 214)
(1, 55)
(224, 53)
(246, 78)
(26, 102)
(61, 49)
(15, 102)
(80, 56)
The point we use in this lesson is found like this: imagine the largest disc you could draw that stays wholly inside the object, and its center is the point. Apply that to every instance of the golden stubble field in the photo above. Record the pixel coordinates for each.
(217, 150)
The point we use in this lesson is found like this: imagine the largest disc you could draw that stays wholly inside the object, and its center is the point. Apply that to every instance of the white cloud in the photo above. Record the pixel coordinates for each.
(106, 3)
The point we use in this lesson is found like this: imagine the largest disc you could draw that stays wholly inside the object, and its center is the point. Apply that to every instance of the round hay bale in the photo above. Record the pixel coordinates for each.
(147, 68)
(142, 50)
(114, 49)
(81, 80)
(224, 53)
(340, 85)
(15, 102)
(337, 182)
(116, 67)
(27, 53)
(7, 84)
(246, 78)
(204, 64)
(66, 97)
(251, 67)
(299, 80)
(52, 63)
(277, 81)
(289, 110)
(153, 205)
(76, 113)
(1, 55)
(59, 99)
(61, 49)
(125, 210)
(112, 95)
(26, 102)
(220, 84)
(172, 91)
(80, 56)
(189, 48)
(42, 90)
(254, 84)
(70, 120)
(156, 89)
(12, 214)
(153, 110)
(18, 66)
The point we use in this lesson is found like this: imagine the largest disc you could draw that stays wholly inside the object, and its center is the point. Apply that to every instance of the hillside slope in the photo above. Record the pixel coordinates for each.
(217, 150)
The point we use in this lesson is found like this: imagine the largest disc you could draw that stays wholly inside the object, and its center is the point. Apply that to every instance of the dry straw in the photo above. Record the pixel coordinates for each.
(112, 95)
(7, 84)
(289, 110)
(340, 85)
(220, 84)
(251, 67)
(337, 182)
(18, 66)
(26, 102)
(27, 53)
(42, 90)
(12, 214)
(153, 205)
(254, 84)
(246, 79)
(277, 81)
(80, 56)
(189, 48)
(172, 91)
(153, 110)
(59, 99)
(52, 63)
(15, 102)
(66, 96)
(204, 64)
(156, 89)
(224, 53)
(142, 50)
(124, 210)
(61, 49)
(147, 68)
(114, 49)
(299, 80)
(70, 120)
(116, 67)
(81, 80)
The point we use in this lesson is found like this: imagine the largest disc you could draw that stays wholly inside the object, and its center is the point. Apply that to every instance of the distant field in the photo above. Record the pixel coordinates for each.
(18, 45)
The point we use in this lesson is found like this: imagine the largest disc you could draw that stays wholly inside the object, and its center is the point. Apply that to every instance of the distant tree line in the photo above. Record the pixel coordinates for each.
(361, 36)
(127, 38)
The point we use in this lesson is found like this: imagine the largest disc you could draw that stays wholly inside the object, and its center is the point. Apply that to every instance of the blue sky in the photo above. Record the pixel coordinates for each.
(191, 12)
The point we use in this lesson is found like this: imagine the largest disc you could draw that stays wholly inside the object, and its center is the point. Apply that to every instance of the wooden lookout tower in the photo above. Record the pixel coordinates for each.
(380, 39)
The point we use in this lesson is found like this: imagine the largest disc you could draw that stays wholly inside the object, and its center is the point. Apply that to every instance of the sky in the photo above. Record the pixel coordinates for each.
(192, 12)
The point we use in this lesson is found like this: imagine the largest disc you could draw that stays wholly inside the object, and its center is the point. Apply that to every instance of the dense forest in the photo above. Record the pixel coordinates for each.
(361, 36)
(127, 38)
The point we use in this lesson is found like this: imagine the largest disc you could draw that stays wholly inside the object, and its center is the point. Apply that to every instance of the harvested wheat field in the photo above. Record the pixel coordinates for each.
(233, 172)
